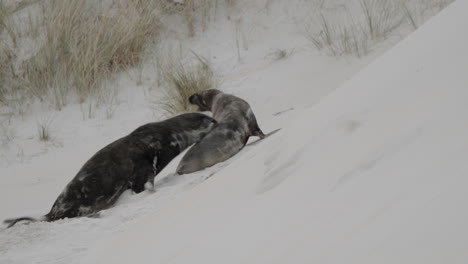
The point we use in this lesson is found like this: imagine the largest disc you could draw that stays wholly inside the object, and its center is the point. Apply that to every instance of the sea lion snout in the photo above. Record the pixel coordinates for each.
(197, 99)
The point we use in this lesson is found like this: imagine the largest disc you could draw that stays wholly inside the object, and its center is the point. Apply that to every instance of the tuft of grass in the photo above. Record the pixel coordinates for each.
(410, 16)
(416, 12)
(5, 23)
(8, 86)
(5, 56)
(198, 12)
(108, 98)
(3, 73)
(280, 54)
(43, 133)
(339, 38)
(195, 13)
(181, 80)
(7, 134)
(84, 43)
(43, 129)
(346, 35)
(381, 17)
(3, 15)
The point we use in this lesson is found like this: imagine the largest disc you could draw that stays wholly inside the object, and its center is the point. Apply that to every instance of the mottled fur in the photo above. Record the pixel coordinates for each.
(130, 162)
(236, 123)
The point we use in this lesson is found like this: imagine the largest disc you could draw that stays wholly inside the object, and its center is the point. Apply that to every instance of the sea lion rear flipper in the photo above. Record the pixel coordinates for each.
(259, 133)
(13, 221)
(264, 136)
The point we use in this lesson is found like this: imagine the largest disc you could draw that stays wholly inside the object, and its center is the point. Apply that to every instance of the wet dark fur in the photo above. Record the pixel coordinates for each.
(127, 163)
(236, 123)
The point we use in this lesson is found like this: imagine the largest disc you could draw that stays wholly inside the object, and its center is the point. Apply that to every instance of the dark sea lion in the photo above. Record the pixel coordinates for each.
(130, 162)
(236, 123)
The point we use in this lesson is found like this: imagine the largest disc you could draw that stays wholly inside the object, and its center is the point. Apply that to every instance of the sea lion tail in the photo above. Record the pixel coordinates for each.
(12, 221)
(258, 133)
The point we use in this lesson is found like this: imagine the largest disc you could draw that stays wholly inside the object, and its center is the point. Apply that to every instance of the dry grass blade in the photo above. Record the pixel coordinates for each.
(381, 16)
(43, 129)
(3, 15)
(182, 80)
(410, 16)
(348, 34)
(338, 38)
(84, 44)
(7, 56)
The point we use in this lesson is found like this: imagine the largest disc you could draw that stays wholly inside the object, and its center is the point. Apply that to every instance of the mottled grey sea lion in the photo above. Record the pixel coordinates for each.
(236, 123)
(130, 162)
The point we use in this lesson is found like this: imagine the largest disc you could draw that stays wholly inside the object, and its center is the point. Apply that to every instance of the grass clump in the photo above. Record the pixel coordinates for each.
(6, 55)
(3, 15)
(280, 54)
(43, 129)
(84, 43)
(195, 13)
(5, 23)
(6, 72)
(338, 38)
(364, 23)
(43, 132)
(416, 12)
(180, 80)
(351, 35)
(381, 17)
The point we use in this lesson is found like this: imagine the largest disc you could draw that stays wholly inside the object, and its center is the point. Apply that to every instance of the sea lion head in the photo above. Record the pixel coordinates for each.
(204, 99)
(198, 123)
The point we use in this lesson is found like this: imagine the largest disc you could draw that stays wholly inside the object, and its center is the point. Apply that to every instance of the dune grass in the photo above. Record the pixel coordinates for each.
(84, 43)
(181, 79)
(372, 21)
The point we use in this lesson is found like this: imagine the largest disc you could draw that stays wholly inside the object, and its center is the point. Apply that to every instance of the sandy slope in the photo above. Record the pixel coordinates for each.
(370, 173)
(375, 173)
(34, 173)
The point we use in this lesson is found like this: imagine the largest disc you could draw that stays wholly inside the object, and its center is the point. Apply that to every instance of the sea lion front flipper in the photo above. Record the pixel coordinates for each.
(159, 163)
(264, 136)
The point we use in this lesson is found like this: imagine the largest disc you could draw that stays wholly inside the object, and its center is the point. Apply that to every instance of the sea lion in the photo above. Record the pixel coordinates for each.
(130, 162)
(236, 123)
